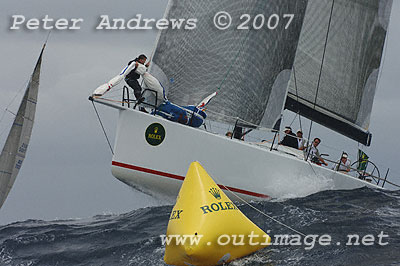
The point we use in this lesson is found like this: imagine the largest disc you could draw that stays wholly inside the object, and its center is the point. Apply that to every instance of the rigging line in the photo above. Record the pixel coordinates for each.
(13, 99)
(312, 168)
(263, 213)
(11, 112)
(320, 71)
(301, 127)
(295, 83)
(115, 101)
(297, 95)
(293, 119)
(324, 53)
(47, 38)
(104, 131)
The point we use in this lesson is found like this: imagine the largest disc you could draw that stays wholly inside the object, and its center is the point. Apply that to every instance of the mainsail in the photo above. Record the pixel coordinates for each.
(337, 64)
(17, 142)
(250, 69)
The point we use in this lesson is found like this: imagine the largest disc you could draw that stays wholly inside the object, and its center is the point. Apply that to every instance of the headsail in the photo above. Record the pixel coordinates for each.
(249, 68)
(337, 90)
(17, 142)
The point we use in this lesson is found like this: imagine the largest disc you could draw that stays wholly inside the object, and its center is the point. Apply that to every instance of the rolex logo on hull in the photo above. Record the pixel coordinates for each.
(155, 134)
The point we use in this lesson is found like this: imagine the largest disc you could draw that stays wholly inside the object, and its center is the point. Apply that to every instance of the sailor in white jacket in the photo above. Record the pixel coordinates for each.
(149, 80)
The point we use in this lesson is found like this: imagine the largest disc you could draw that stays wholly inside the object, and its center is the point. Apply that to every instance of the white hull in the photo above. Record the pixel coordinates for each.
(253, 172)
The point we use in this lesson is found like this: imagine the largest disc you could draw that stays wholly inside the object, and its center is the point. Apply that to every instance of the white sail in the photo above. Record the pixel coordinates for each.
(250, 69)
(13, 153)
(337, 64)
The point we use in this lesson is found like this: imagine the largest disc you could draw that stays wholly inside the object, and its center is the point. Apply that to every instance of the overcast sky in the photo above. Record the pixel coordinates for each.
(67, 173)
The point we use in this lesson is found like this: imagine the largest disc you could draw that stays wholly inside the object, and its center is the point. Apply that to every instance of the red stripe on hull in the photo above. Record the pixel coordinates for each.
(159, 173)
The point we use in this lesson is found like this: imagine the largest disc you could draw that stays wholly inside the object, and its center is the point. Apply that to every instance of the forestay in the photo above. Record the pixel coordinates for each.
(337, 90)
(250, 69)
(17, 142)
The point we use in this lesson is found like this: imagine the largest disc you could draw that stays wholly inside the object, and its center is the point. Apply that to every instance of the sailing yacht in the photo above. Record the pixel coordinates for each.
(323, 66)
(16, 145)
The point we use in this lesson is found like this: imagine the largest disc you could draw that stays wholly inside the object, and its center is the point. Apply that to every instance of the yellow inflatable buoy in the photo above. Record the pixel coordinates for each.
(205, 227)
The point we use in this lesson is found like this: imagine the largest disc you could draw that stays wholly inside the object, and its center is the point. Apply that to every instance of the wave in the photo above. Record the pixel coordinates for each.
(134, 238)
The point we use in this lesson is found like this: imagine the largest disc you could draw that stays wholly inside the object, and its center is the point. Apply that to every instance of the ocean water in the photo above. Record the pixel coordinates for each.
(134, 238)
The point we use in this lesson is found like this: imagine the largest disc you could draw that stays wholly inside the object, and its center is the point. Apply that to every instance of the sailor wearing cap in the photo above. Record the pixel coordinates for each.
(343, 165)
(289, 139)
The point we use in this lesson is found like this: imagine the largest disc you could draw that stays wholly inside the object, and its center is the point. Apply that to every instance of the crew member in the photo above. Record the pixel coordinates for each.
(132, 77)
(289, 139)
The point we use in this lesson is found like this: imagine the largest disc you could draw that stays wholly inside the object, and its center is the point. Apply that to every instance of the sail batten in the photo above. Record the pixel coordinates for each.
(338, 89)
(16, 145)
(249, 68)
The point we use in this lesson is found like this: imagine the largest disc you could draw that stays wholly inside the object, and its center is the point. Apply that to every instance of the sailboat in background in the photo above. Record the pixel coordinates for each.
(324, 65)
(16, 145)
